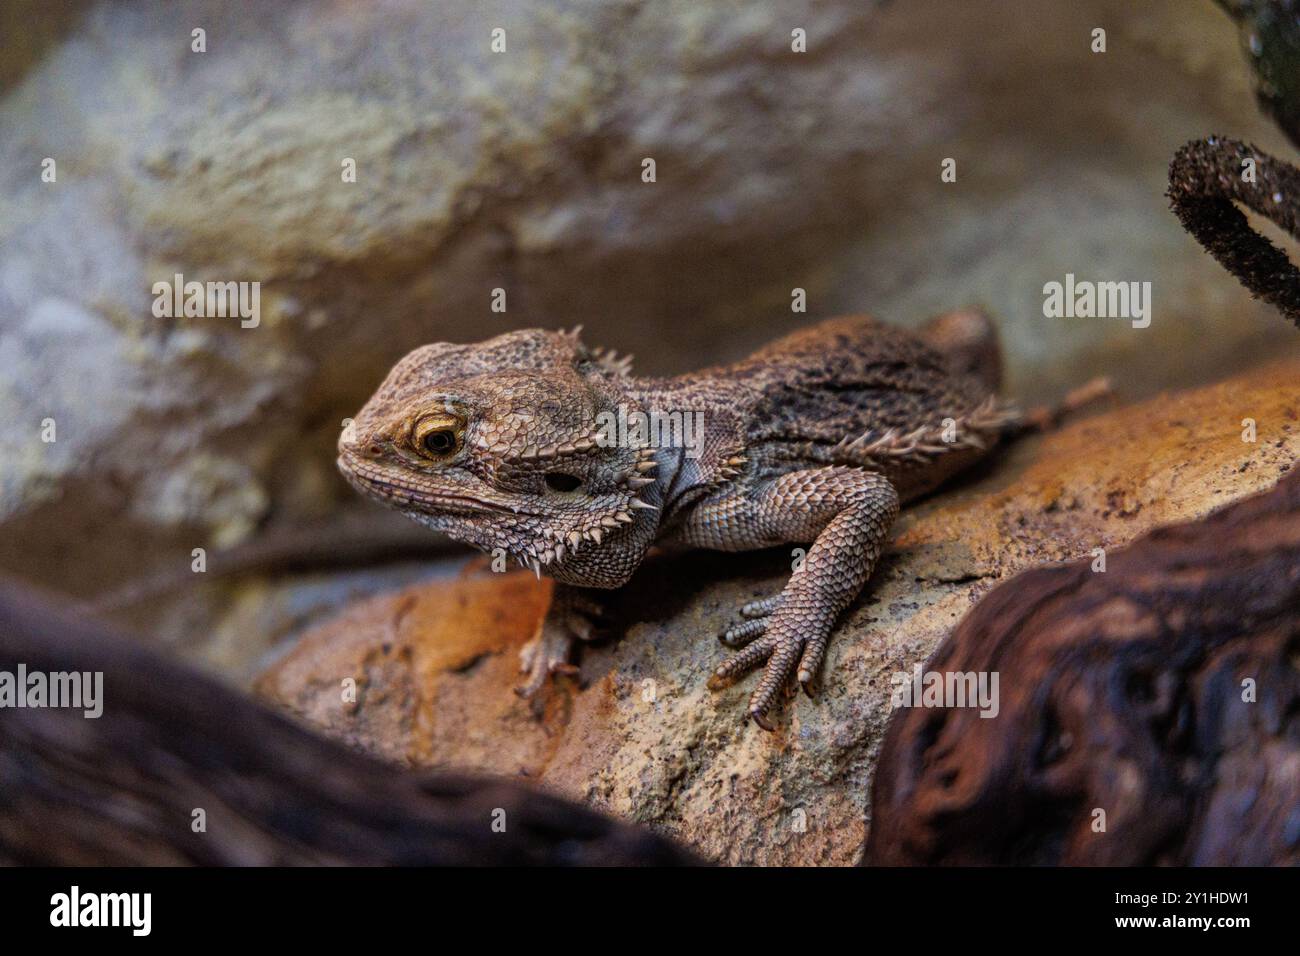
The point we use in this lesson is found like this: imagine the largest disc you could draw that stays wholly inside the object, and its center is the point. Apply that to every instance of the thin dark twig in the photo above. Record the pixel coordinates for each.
(1205, 178)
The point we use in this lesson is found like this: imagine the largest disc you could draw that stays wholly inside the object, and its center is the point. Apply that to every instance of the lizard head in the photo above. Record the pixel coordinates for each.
(497, 444)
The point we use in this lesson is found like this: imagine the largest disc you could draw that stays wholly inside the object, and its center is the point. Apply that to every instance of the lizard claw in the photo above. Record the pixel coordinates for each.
(545, 655)
(567, 621)
(759, 717)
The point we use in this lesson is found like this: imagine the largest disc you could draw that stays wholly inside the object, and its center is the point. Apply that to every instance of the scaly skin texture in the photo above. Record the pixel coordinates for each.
(816, 439)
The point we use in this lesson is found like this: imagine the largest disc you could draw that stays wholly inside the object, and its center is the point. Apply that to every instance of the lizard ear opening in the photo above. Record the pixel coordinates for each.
(562, 482)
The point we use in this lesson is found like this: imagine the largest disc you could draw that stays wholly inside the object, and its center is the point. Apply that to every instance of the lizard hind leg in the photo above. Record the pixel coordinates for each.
(846, 513)
(968, 338)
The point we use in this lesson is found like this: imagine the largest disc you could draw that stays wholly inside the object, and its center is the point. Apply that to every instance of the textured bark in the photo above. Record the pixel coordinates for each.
(122, 788)
(1120, 691)
(1206, 178)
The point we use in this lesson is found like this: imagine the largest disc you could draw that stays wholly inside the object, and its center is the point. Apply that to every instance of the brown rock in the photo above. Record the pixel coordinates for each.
(419, 658)
(643, 738)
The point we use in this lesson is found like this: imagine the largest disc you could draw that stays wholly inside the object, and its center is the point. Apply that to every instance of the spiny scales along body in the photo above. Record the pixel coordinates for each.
(816, 439)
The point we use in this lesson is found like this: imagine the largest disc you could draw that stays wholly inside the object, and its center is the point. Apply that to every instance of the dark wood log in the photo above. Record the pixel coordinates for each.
(1120, 692)
(122, 788)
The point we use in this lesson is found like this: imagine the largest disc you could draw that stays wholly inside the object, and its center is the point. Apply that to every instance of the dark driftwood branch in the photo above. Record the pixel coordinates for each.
(1270, 30)
(1120, 691)
(121, 789)
(1205, 178)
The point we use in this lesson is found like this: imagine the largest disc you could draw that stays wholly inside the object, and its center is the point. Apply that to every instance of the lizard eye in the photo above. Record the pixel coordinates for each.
(440, 442)
(559, 481)
(438, 437)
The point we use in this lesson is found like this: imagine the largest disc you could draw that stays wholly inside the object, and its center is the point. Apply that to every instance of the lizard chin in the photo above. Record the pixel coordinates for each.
(537, 543)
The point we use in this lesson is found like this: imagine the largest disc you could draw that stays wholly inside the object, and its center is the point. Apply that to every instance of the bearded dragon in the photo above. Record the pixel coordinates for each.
(817, 439)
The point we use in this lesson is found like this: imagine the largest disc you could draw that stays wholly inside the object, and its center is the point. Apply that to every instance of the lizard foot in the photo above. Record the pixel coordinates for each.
(568, 620)
(545, 655)
(779, 642)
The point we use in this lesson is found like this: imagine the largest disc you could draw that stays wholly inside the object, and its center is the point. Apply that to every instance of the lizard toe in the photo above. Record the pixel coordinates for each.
(787, 655)
(777, 673)
(742, 634)
(809, 664)
(742, 662)
(545, 656)
(581, 626)
(761, 608)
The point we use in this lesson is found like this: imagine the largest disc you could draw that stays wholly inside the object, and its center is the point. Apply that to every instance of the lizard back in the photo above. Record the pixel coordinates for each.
(855, 391)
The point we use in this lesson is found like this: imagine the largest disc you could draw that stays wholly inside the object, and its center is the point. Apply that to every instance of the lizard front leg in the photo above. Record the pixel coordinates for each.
(846, 513)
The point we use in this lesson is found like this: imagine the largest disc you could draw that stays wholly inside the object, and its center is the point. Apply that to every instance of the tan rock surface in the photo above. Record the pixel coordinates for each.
(645, 739)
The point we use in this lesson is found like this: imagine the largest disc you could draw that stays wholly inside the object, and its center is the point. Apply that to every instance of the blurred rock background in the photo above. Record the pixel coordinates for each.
(522, 171)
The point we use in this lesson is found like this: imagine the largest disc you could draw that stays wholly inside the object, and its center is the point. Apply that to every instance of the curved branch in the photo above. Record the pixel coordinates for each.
(1205, 179)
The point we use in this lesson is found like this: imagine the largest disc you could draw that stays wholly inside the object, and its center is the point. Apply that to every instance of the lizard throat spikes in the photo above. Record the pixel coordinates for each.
(543, 553)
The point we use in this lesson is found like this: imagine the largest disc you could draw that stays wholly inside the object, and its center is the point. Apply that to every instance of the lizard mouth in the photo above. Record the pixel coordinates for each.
(543, 545)
(405, 496)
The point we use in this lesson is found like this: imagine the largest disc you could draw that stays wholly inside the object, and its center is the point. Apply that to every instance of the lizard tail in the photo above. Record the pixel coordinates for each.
(1046, 417)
